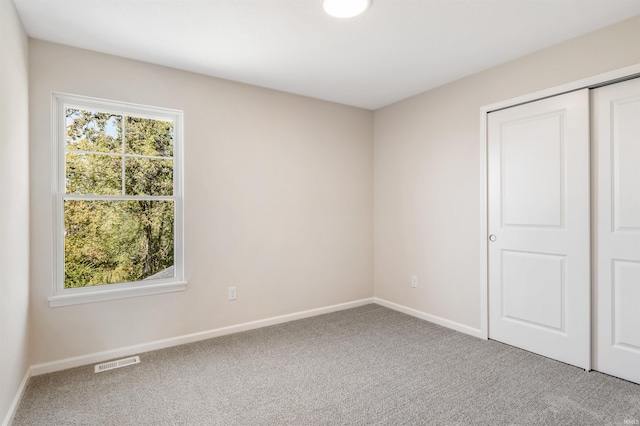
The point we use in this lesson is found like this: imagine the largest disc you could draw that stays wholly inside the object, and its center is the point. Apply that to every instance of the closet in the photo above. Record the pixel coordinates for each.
(563, 186)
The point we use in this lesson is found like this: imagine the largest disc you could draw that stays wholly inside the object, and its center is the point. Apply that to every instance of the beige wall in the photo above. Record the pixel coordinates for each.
(14, 207)
(278, 202)
(279, 193)
(427, 168)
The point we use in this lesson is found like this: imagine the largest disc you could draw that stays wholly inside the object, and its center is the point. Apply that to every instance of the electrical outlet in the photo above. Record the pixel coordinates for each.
(414, 281)
(231, 291)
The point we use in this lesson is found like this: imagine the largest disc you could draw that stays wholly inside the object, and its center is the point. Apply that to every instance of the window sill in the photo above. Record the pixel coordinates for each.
(99, 295)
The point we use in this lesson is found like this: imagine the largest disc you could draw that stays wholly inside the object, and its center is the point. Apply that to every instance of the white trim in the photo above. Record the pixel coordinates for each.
(590, 82)
(96, 357)
(13, 408)
(585, 83)
(62, 296)
(484, 233)
(118, 107)
(428, 317)
(111, 293)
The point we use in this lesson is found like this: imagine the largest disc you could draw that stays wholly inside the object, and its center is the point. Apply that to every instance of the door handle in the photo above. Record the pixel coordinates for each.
(492, 238)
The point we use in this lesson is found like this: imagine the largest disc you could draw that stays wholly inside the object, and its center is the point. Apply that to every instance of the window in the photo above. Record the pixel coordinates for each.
(117, 200)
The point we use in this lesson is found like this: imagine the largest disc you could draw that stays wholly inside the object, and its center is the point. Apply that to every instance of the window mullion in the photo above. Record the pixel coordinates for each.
(98, 215)
(112, 154)
(92, 197)
(124, 130)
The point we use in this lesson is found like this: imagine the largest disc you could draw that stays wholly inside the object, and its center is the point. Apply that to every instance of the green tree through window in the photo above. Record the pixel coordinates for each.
(118, 206)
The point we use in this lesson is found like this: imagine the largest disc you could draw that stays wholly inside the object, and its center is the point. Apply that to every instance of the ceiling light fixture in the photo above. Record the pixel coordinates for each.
(345, 8)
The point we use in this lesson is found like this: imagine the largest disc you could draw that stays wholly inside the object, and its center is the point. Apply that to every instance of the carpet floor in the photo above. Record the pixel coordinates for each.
(363, 366)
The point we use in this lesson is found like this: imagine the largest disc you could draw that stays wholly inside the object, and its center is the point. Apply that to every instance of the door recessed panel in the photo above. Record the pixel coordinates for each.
(538, 198)
(532, 171)
(626, 157)
(533, 288)
(626, 304)
(616, 219)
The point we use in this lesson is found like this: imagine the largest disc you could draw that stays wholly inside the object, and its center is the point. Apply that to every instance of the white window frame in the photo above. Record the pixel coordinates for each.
(71, 296)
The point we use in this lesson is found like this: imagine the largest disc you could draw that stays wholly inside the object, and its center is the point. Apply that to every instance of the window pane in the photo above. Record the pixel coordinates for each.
(146, 136)
(148, 176)
(110, 242)
(93, 131)
(93, 174)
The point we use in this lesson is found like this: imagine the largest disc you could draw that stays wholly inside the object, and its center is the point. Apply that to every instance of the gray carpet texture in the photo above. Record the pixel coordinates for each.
(363, 366)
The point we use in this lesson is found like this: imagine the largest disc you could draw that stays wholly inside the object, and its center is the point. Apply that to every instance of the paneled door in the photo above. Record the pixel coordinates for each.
(539, 225)
(616, 133)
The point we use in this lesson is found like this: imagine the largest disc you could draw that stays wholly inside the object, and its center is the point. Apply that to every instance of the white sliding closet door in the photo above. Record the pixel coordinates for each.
(616, 132)
(539, 204)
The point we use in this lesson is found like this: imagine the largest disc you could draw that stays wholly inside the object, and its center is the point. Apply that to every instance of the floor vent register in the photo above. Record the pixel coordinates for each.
(105, 366)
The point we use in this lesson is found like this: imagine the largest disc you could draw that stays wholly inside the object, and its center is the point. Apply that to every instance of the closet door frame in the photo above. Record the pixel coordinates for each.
(587, 83)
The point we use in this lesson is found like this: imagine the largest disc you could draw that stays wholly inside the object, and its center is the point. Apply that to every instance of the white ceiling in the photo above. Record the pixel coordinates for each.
(397, 49)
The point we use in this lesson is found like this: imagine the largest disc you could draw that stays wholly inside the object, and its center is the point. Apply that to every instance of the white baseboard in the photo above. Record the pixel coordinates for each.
(13, 408)
(475, 332)
(96, 357)
(78, 361)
